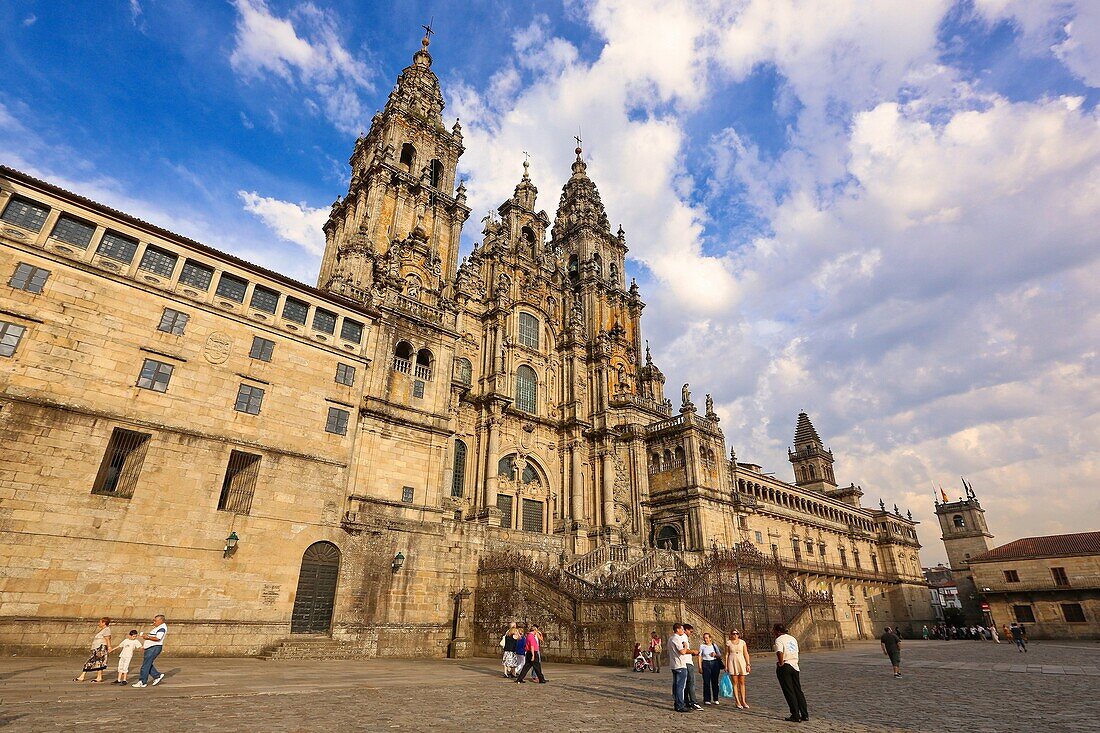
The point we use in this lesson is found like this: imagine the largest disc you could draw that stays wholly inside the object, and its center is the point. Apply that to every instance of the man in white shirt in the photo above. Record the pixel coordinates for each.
(689, 657)
(676, 644)
(154, 645)
(786, 671)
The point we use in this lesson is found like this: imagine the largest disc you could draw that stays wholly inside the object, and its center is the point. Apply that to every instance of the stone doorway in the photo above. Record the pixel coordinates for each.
(316, 594)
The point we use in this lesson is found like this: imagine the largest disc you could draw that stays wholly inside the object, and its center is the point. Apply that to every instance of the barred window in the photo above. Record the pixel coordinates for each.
(504, 504)
(526, 389)
(29, 278)
(25, 213)
(418, 389)
(117, 247)
(158, 261)
(532, 515)
(249, 399)
(407, 493)
(351, 331)
(73, 231)
(262, 348)
(239, 483)
(529, 330)
(196, 275)
(345, 374)
(173, 322)
(118, 473)
(464, 371)
(10, 334)
(231, 287)
(155, 375)
(295, 310)
(458, 474)
(264, 299)
(337, 422)
(324, 321)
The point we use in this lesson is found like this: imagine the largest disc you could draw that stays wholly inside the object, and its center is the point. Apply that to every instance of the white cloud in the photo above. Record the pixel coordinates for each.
(296, 223)
(30, 20)
(303, 50)
(1070, 29)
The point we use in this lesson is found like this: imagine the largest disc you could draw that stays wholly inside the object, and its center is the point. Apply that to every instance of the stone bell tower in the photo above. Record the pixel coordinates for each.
(813, 462)
(965, 535)
(398, 227)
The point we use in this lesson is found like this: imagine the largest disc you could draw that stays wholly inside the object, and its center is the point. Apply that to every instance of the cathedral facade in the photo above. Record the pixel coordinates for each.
(190, 434)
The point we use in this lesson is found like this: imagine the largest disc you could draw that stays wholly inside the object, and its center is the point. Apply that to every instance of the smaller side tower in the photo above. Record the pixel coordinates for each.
(965, 535)
(812, 461)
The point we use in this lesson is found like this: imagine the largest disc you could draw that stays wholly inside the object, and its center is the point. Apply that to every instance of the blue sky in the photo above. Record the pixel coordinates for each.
(885, 214)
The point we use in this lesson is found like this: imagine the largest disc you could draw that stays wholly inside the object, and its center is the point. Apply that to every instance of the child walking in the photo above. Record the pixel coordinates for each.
(127, 647)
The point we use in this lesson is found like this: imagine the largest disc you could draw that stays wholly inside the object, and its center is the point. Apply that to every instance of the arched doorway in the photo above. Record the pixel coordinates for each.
(668, 538)
(316, 593)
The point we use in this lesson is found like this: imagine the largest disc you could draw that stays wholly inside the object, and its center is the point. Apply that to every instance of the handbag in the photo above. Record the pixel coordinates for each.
(725, 685)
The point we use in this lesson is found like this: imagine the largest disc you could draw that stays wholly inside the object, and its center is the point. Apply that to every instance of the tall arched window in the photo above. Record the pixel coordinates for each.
(458, 479)
(526, 389)
(402, 357)
(408, 156)
(668, 538)
(529, 330)
(436, 169)
(424, 361)
(813, 473)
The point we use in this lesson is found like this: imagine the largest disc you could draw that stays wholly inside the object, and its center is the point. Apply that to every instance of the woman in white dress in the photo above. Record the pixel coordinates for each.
(738, 666)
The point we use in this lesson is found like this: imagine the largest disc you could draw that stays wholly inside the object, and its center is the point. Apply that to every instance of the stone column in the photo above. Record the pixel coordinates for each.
(607, 476)
(576, 490)
(492, 458)
(691, 458)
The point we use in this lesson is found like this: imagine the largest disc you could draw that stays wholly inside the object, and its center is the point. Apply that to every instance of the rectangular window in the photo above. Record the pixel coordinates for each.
(324, 321)
(407, 493)
(532, 515)
(345, 374)
(874, 563)
(239, 483)
(121, 465)
(158, 261)
(117, 247)
(337, 422)
(29, 278)
(760, 538)
(1011, 576)
(855, 554)
(262, 348)
(173, 322)
(264, 299)
(1023, 614)
(809, 547)
(529, 330)
(1073, 613)
(1059, 575)
(231, 287)
(351, 331)
(25, 213)
(10, 334)
(73, 231)
(418, 389)
(504, 504)
(249, 399)
(196, 275)
(843, 558)
(155, 375)
(295, 310)
(797, 549)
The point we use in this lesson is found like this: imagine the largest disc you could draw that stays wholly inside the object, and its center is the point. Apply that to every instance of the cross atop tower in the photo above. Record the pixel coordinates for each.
(428, 30)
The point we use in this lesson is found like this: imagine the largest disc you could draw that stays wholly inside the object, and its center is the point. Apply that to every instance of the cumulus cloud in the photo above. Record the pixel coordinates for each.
(296, 223)
(303, 50)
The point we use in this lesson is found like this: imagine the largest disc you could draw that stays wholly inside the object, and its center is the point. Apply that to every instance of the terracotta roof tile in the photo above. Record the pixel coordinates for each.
(1082, 543)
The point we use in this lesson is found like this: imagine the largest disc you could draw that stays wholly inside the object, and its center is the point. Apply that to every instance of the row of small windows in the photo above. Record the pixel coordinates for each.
(121, 248)
(1073, 613)
(804, 505)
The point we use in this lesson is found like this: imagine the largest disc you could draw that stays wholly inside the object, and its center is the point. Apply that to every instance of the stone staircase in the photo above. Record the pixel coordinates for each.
(313, 647)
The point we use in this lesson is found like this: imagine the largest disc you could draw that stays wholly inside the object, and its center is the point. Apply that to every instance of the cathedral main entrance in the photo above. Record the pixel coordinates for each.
(316, 595)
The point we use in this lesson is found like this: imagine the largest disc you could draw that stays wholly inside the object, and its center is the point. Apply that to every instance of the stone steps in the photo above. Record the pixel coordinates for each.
(314, 648)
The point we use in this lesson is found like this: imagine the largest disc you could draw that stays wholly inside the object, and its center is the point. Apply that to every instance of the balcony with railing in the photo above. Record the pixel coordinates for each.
(422, 371)
(402, 365)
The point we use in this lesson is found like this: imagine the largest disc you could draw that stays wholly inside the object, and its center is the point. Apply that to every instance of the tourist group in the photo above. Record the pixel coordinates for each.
(151, 642)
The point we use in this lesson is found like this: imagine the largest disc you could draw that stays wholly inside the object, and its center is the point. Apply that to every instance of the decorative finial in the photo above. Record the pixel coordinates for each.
(648, 356)
(526, 165)
(577, 137)
(427, 33)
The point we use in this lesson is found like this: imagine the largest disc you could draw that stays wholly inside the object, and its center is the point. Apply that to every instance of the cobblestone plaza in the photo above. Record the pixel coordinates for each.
(970, 686)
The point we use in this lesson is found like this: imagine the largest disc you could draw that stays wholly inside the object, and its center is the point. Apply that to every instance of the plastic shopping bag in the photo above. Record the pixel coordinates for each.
(725, 685)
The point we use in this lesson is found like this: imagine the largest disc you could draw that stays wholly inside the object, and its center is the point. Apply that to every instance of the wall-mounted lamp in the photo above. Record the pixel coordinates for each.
(231, 544)
(398, 561)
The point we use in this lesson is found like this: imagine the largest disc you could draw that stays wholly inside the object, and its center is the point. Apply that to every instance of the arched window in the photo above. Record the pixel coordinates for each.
(464, 371)
(597, 261)
(529, 243)
(668, 538)
(526, 390)
(436, 169)
(574, 270)
(408, 156)
(529, 330)
(506, 467)
(458, 478)
(655, 462)
(679, 456)
(424, 362)
(402, 357)
(667, 463)
(958, 521)
(813, 473)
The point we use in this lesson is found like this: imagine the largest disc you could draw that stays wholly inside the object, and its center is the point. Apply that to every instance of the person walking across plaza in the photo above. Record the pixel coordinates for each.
(508, 647)
(655, 650)
(993, 633)
(690, 697)
(738, 666)
(787, 672)
(676, 643)
(891, 647)
(711, 658)
(128, 646)
(101, 647)
(1019, 637)
(153, 644)
(532, 650)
